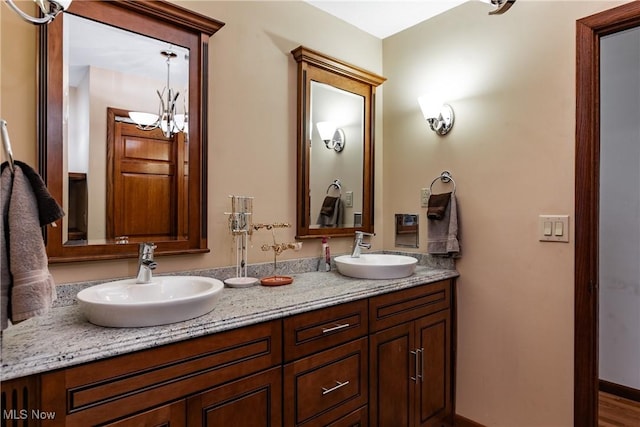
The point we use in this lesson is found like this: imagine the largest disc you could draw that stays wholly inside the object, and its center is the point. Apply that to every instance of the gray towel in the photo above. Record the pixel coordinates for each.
(331, 217)
(6, 181)
(33, 288)
(443, 233)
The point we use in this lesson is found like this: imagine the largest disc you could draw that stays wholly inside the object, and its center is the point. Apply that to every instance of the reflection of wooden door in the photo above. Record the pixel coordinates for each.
(143, 185)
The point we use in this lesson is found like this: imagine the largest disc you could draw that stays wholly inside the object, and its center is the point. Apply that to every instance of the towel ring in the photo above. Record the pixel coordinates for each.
(6, 144)
(445, 177)
(337, 184)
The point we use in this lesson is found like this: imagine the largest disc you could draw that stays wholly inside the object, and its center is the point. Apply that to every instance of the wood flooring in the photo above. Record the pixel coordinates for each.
(614, 411)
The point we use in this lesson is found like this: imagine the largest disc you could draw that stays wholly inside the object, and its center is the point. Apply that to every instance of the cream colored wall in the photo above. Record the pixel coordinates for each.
(511, 81)
(252, 119)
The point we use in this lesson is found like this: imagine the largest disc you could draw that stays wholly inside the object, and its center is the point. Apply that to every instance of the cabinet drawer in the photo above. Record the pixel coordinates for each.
(318, 330)
(109, 389)
(408, 304)
(326, 386)
(359, 418)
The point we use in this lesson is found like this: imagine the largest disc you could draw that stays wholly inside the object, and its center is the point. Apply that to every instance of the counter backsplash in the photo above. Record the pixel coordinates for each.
(67, 291)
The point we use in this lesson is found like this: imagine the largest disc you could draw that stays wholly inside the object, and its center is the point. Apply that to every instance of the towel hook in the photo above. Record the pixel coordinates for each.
(445, 177)
(6, 144)
(337, 184)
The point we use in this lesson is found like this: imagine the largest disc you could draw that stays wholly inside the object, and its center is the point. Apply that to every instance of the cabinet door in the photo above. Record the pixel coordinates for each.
(255, 401)
(392, 369)
(434, 385)
(172, 415)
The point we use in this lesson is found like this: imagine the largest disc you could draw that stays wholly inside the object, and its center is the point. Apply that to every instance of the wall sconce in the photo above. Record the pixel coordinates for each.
(333, 137)
(501, 6)
(438, 114)
(50, 12)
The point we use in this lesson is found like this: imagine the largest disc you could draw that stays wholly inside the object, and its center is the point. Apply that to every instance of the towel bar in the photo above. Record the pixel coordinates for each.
(337, 184)
(445, 177)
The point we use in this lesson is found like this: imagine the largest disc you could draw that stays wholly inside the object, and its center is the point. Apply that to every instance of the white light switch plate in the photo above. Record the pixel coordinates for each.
(349, 199)
(424, 197)
(553, 228)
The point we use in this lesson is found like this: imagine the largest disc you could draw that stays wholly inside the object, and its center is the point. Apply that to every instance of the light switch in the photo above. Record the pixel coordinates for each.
(553, 228)
(424, 197)
(348, 203)
(558, 228)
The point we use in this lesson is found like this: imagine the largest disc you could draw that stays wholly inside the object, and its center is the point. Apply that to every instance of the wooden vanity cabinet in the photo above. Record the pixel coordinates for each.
(153, 387)
(384, 361)
(411, 348)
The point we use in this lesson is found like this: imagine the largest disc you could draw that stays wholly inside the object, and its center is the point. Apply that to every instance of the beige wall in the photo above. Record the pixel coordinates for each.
(511, 81)
(252, 119)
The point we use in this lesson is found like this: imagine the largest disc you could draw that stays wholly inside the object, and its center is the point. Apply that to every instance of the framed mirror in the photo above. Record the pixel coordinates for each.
(123, 181)
(335, 146)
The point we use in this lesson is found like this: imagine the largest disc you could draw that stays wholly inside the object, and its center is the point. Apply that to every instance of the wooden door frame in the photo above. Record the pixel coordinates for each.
(589, 30)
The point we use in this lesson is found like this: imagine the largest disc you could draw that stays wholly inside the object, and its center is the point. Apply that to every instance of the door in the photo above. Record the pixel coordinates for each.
(254, 401)
(434, 386)
(392, 367)
(145, 183)
(590, 30)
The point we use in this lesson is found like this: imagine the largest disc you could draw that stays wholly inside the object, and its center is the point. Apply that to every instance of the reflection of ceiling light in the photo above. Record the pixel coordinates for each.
(333, 138)
(55, 7)
(166, 119)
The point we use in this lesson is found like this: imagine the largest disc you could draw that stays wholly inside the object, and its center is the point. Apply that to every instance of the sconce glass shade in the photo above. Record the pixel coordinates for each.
(144, 119)
(439, 115)
(326, 130)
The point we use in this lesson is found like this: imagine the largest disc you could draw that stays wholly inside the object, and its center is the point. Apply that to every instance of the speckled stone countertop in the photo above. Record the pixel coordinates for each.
(63, 337)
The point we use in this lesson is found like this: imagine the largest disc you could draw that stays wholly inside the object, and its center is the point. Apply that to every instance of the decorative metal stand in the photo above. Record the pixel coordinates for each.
(277, 248)
(240, 226)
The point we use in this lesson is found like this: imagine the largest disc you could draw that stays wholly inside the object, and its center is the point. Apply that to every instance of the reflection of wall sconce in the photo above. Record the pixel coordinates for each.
(333, 138)
(501, 6)
(438, 114)
(49, 9)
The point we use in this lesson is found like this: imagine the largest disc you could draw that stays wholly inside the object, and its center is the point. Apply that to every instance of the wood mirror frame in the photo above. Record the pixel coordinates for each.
(159, 20)
(317, 67)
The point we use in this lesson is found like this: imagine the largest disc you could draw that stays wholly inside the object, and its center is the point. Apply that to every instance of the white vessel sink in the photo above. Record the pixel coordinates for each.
(167, 299)
(376, 266)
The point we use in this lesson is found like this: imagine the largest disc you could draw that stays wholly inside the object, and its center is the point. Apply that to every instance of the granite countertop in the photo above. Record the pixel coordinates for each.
(64, 338)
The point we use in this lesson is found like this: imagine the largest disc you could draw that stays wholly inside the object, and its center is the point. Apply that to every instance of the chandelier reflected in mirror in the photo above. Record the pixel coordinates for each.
(168, 119)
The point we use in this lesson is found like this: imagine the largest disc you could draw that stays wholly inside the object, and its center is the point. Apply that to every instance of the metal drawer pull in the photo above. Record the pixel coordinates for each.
(421, 364)
(415, 354)
(335, 328)
(334, 388)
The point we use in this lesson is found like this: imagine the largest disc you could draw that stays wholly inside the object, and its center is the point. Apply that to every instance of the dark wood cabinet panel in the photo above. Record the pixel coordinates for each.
(412, 362)
(390, 372)
(358, 418)
(172, 415)
(434, 386)
(255, 401)
(326, 385)
(318, 330)
(102, 391)
(398, 307)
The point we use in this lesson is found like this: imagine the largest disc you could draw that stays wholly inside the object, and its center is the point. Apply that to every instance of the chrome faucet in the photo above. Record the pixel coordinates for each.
(146, 264)
(359, 244)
